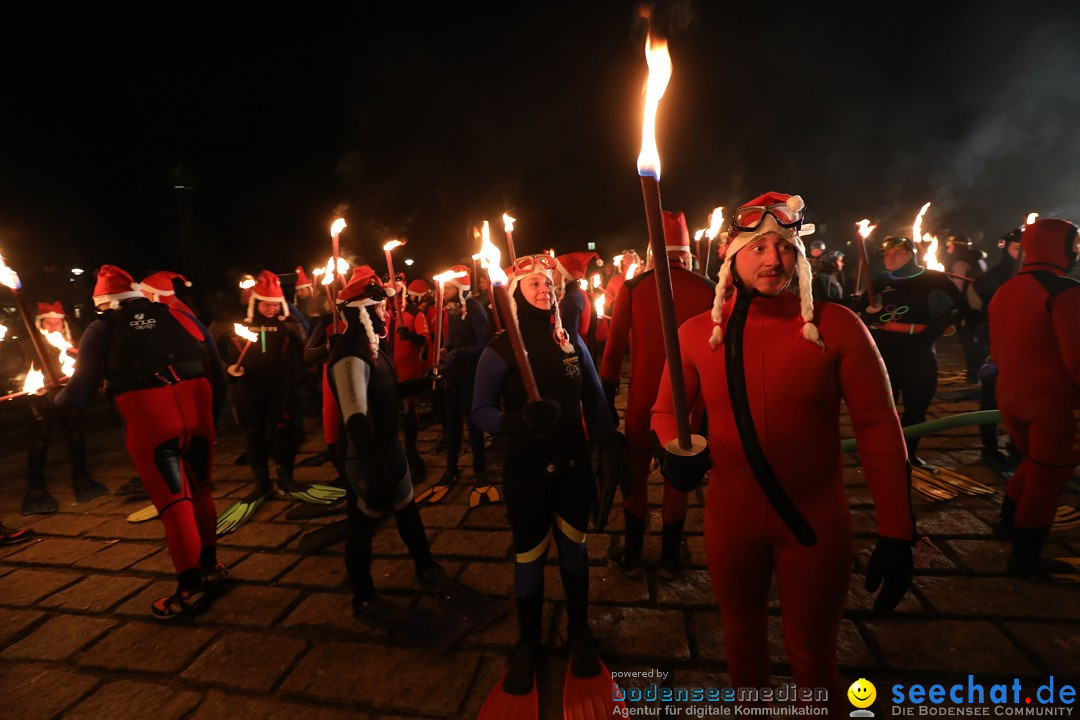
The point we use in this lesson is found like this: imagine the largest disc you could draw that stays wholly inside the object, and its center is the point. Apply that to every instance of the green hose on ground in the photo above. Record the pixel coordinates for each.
(979, 417)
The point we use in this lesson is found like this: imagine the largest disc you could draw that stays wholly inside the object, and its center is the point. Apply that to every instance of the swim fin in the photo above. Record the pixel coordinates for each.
(147, 513)
(438, 492)
(462, 601)
(501, 705)
(435, 632)
(314, 493)
(237, 514)
(590, 698)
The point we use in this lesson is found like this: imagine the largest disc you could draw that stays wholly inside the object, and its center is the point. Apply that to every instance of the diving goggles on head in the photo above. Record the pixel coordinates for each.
(750, 217)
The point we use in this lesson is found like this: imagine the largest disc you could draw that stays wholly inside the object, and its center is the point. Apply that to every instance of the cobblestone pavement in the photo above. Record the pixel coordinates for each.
(77, 640)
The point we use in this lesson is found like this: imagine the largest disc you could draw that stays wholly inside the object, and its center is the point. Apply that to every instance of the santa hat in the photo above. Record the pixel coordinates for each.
(676, 235)
(544, 265)
(114, 285)
(461, 283)
(737, 239)
(418, 289)
(302, 280)
(50, 310)
(363, 289)
(161, 283)
(267, 288)
(574, 265)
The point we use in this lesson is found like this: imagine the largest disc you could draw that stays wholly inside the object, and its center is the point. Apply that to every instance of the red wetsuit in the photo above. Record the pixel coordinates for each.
(637, 308)
(168, 414)
(1035, 336)
(794, 391)
(408, 351)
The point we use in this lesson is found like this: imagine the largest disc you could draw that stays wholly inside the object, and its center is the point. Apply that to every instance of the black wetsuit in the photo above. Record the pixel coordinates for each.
(466, 339)
(984, 288)
(366, 390)
(918, 305)
(547, 481)
(266, 398)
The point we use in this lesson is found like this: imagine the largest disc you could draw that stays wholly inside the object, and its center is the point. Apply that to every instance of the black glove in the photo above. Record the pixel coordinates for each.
(403, 333)
(684, 472)
(535, 419)
(613, 465)
(891, 561)
(611, 389)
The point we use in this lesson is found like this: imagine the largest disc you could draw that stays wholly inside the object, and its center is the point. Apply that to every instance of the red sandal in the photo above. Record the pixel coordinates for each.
(180, 604)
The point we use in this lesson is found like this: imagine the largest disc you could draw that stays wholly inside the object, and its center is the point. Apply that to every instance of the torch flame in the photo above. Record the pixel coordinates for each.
(631, 270)
(583, 284)
(698, 235)
(328, 272)
(243, 333)
(247, 282)
(617, 260)
(596, 280)
(317, 272)
(865, 228)
(716, 220)
(391, 245)
(34, 381)
(1030, 219)
(58, 341)
(600, 301)
(3, 331)
(930, 257)
(659, 61)
(916, 229)
(508, 222)
(337, 227)
(443, 278)
(8, 276)
(491, 257)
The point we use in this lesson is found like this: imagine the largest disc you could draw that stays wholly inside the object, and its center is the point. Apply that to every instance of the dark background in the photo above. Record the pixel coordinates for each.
(421, 119)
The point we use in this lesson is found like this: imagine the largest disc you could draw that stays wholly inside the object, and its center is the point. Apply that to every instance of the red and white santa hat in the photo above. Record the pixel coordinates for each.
(418, 289)
(462, 283)
(161, 283)
(267, 288)
(676, 234)
(531, 265)
(114, 285)
(302, 280)
(363, 289)
(575, 265)
(52, 311)
(738, 239)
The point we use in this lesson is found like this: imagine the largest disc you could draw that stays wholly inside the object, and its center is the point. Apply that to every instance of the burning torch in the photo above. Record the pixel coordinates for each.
(241, 332)
(716, 221)
(45, 360)
(865, 228)
(335, 240)
(508, 226)
(440, 281)
(485, 239)
(492, 259)
(648, 165)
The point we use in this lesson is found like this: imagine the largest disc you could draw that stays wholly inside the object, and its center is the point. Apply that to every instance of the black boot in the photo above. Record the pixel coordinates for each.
(1026, 561)
(674, 554)
(1006, 523)
(627, 557)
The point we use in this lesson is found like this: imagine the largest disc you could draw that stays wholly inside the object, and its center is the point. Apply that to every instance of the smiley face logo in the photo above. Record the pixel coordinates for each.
(862, 693)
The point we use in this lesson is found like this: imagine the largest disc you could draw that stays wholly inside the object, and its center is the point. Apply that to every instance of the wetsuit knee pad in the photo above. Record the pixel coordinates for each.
(167, 462)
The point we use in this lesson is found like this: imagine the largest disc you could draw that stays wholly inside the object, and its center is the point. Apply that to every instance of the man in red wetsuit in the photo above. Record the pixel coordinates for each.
(165, 375)
(770, 370)
(638, 309)
(1035, 337)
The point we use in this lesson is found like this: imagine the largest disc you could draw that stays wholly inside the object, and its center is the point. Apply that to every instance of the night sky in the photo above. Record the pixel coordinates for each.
(424, 120)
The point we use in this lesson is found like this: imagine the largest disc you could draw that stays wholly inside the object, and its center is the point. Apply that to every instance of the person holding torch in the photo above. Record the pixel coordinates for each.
(770, 369)
(532, 384)
(165, 375)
